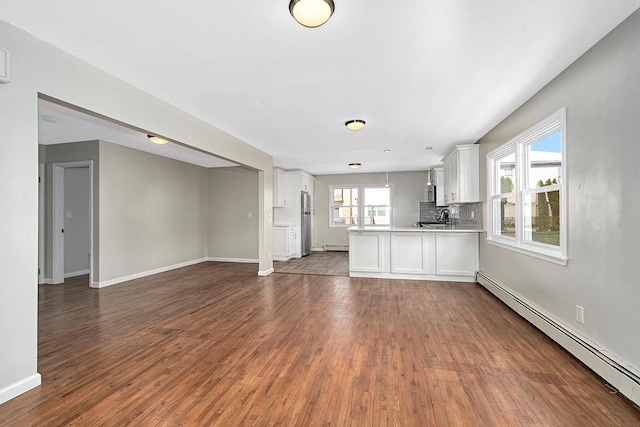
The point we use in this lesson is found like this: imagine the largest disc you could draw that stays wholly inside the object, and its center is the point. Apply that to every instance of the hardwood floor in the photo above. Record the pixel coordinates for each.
(324, 263)
(213, 344)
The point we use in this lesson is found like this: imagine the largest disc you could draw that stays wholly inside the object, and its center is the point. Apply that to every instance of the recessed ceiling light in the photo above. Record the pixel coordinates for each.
(157, 140)
(311, 13)
(354, 165)
(356, 124)
(50, 119)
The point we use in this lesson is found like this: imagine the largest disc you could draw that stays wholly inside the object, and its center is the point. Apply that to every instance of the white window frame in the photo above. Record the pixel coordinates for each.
(518, 145)
(362, 204)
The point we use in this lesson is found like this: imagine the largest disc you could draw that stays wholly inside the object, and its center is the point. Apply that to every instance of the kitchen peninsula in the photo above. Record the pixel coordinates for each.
(444, 253)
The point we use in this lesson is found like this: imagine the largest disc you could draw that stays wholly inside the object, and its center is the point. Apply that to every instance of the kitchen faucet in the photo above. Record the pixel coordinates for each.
(443, 216)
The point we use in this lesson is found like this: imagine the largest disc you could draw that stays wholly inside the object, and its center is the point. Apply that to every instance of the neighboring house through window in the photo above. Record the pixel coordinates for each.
(526, 191)
(360, 205)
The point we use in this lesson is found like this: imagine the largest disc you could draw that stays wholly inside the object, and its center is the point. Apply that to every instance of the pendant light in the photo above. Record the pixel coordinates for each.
(429, 169)
(311, 13)
(387, 151)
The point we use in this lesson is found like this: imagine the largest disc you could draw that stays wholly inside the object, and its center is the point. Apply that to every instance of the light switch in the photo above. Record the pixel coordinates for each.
(68, 215)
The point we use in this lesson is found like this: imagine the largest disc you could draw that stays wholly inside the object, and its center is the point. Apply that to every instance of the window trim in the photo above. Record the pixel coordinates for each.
(361, 205)
(518, 145)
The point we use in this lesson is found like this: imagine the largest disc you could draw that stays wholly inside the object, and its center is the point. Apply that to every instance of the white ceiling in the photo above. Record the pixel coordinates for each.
(420, 72)
(58, 125)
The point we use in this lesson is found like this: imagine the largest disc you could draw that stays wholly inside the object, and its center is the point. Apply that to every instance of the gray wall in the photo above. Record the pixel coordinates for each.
(152, 212)
(408, 190)
(601, 91)
(71, 152)
(232, 196)
(77, 220)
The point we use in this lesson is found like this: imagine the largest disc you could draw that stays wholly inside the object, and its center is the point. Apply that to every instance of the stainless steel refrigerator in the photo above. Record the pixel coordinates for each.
(305, 222)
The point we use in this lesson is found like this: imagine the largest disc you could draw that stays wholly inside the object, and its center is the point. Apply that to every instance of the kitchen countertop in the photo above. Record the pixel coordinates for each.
(445, 229)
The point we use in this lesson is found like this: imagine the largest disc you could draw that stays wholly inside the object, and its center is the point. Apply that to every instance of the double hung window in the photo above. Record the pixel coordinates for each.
(526, 191)
(368, 205)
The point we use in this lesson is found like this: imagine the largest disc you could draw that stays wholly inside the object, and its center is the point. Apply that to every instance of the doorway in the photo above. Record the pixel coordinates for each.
(72, 230)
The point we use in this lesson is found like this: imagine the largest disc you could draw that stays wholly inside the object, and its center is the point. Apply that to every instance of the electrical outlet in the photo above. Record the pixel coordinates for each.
(580, 314)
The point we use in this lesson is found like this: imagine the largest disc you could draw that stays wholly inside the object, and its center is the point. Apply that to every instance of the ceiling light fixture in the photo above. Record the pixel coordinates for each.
(355, 165)
(50, 119)
(355, 124)
(157, 140)
(311, 13)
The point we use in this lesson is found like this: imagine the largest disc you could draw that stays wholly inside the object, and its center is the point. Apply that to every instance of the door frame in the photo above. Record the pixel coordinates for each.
(57, 270)
(41, 222)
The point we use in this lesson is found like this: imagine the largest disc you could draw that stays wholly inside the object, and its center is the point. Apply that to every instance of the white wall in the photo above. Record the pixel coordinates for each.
(77, 221)
(232, 214)
(39, 68)
(601, 91)
(408, 190)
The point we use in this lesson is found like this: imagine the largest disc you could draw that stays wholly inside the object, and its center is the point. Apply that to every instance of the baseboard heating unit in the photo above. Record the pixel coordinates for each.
(336, 248)
(614, 372)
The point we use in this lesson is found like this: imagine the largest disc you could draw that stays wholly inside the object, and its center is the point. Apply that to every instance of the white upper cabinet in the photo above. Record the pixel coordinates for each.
(279, 188)
(439, 178)
(461, 175)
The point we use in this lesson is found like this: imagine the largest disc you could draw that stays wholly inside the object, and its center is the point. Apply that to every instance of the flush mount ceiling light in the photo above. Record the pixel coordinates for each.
(355, 165)
(355, 124)
(50, 119)
(311, 13)
(157, 140)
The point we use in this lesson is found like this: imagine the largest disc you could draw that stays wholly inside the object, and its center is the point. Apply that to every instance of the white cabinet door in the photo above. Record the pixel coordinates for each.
(461, 175)
(366, 252)
(457, 254)
(440, 189)
(293, 242)
(413, 253)
(469, 174)
(279, 188)
(280, 242)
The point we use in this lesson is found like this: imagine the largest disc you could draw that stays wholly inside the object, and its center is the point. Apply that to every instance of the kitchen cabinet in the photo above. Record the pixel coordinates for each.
(290, 213)
(367, 252)
(438, 174)
(279, 188)
(285, 239)
(461, 175)
(413, 253)
(457, 254)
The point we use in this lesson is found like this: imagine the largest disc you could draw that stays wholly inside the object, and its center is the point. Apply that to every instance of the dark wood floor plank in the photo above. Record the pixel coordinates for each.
(213, 344)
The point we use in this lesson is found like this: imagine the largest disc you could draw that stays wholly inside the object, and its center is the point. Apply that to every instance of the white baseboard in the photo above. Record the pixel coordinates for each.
(48, 281)
(111, 282)
(317, 249)
(76, 273)
(17, 388)
(238, 260)
(616, 372)
(341, 247)
(265, 272)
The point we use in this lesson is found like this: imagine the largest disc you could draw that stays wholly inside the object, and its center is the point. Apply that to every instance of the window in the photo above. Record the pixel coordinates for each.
(347, 209)
(526, 191)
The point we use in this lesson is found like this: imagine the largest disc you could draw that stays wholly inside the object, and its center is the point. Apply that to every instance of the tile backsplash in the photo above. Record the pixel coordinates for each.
(470, 214)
